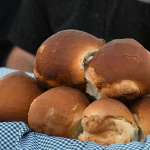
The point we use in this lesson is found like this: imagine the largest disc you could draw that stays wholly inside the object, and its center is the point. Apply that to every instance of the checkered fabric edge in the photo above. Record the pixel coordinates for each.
(4, 71)
(18, 136)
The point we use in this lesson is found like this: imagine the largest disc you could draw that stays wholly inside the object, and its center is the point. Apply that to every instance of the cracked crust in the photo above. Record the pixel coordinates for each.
(108, 121)
(120, 69)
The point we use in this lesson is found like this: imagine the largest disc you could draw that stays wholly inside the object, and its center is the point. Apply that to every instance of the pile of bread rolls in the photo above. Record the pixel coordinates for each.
(72, 66)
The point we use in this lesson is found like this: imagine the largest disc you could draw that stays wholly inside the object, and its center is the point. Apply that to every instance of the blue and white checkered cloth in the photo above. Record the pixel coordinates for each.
(18, 136)
(4, 71)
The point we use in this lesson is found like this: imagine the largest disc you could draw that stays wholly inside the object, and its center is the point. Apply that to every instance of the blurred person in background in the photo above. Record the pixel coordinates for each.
(108, 19)
(8, 10)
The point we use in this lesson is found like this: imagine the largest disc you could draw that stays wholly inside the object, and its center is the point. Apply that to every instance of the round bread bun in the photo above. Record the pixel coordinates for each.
(17, 91)
(108, 121)
(140, 110)
(62, 58)
(120, 70)
(58, 112)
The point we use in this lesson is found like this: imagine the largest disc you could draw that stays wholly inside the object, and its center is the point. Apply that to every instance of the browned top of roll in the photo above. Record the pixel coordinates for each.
(58, 112)
(123, 59)
(17, 91)
(108, 107)
(108, 121)
(58, 59)
(120, 63)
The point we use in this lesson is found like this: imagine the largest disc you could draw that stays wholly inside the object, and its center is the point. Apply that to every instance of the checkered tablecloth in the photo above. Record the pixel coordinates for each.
(18, 136)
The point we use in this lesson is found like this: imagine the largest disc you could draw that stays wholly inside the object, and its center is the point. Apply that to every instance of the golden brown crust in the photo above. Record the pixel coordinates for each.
(141, 109)
(58, 112)
(108, 121)
(17, 91)
(122, 70)
(59, 58)
(108, 107)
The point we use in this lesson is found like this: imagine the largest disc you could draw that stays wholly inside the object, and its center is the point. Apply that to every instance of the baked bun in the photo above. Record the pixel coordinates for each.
(17, 91)
(120, 70)
(58, 112)
(108, 121)
(62, 58)
(140, 110)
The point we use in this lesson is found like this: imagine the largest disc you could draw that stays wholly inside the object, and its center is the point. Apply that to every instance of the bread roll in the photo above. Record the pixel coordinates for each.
(62, 58)
(58, 112)
(108, 121)
(17, 91)
(120, 70)
(141, 113)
